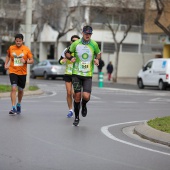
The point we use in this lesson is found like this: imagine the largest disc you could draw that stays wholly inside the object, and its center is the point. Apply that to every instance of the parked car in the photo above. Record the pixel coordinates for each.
(156, 72)
(2, 69)
(47, 69)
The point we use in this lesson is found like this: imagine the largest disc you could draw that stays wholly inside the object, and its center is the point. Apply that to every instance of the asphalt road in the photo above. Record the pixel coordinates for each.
(42, 138)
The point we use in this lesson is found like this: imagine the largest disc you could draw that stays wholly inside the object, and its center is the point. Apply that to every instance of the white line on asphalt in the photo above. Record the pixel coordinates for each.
(155, 99)
(146, 92)
(160, 100)
(106, 132)
(31, 101)
(125, 90)
(94, 97)
(125, 102)
(42, 96)
(97, 101)
(59, 101)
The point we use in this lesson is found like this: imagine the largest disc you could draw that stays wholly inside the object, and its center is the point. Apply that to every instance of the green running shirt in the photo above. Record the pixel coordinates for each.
(85, 55)
(69, 64)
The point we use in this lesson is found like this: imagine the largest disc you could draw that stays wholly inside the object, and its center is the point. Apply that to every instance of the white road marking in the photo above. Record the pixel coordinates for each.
(92, 101)
(59, 101)
(31, 101)
(155, 99)
(42, 96)
(125, 90)
(160, 100)
(106, 132)
(124, 102)
(94, 97)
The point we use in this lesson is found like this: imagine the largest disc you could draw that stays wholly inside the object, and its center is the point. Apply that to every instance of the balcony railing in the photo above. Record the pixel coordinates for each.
(114, 26)
(15, 7)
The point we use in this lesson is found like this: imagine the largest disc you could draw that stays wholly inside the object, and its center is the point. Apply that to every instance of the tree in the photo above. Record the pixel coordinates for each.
(58, 15)
(117, 12)
(160, 7)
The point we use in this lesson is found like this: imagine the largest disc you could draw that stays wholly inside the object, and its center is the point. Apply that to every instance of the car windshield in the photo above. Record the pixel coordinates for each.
(53, 62)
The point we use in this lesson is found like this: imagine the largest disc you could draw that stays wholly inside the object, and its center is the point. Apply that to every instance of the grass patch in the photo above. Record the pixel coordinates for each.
(162, 124)
(33, 88)
(7, 88)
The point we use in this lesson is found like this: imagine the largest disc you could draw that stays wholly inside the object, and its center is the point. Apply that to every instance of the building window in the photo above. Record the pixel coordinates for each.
(130, 48)
(109, 48)
(11, 1)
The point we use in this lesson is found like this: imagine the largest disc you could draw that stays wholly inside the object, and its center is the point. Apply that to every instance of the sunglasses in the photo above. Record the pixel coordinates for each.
(73, 40)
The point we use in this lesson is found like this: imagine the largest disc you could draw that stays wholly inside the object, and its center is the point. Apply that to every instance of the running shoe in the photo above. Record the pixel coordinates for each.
(76, 122)
(13, 111)
(84, 111)
(70, 114)
(18, 109)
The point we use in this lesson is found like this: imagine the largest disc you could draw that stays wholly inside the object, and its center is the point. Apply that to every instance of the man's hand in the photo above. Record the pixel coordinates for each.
(73, 60)
(23, 61)
(6, 66)
(63, 60)
(96, 62)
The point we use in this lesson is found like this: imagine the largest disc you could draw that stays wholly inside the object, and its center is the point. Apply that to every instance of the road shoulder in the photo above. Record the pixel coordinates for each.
(149, 133)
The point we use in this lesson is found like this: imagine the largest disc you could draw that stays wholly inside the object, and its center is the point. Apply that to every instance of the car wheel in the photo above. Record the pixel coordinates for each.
(33, 75)
(140, 84)
(162, 85)
(46, 76)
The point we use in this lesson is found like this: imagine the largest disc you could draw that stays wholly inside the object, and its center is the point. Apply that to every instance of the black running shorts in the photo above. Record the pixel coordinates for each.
(80, 82)
(67, 78)
(19, 80)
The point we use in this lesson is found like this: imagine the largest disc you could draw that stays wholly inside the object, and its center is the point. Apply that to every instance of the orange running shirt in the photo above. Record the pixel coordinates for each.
(15, 53)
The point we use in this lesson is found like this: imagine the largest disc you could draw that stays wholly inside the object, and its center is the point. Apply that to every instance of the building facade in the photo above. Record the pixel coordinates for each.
(135, 50)
(151, 13)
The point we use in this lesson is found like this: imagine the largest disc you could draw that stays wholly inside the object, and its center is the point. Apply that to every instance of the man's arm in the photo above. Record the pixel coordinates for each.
(96, 60)
(30, 61)
(62, 60)
(6, 66)
(69, 56)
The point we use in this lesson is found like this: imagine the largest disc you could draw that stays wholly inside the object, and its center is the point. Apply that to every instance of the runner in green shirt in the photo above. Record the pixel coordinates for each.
(68, 76)
(86, 54)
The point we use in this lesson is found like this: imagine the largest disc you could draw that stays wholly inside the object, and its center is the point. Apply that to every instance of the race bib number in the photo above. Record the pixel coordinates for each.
(17, 62)
(70, 67)
(84, 66)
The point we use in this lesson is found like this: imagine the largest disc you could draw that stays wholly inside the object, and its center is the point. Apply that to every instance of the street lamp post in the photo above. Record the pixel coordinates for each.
(28, 25)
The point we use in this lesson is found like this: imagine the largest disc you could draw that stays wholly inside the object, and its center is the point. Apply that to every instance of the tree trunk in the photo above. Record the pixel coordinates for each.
(117, 48)
(56, 49)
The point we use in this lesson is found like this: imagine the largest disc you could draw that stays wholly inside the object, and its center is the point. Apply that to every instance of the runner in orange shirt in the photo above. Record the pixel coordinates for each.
(19, 56)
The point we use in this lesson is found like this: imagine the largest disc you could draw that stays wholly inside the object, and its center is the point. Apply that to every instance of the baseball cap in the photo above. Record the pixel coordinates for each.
(87, 29)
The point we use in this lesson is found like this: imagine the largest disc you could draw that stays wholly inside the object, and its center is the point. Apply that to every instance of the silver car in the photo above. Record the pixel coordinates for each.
(47, 69)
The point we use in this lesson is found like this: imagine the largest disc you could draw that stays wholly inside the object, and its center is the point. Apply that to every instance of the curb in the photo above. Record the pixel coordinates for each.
(26, 93)
(147, 132)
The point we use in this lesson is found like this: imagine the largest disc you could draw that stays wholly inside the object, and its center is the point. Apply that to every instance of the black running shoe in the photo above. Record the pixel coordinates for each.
(76, 122)
(13, 112)
(84, 111)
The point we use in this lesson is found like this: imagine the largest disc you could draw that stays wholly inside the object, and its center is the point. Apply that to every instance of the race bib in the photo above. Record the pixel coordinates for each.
(17, 62)
(84, 66)
(70, 67)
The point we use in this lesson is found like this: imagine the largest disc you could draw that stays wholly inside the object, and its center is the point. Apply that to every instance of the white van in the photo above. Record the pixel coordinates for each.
(156, 72)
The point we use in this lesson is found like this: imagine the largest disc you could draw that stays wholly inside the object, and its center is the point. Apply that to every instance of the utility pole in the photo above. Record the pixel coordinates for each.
(28, 26)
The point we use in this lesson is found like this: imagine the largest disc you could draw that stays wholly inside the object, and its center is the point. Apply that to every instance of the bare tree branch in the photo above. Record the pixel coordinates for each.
(160, 10)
